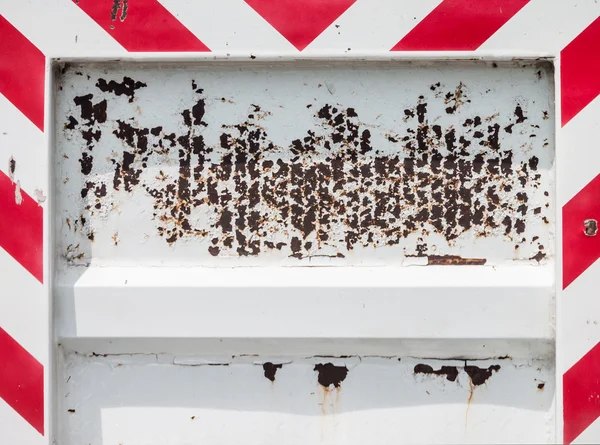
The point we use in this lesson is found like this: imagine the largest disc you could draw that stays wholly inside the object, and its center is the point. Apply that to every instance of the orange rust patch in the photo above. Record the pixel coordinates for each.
(454, 260)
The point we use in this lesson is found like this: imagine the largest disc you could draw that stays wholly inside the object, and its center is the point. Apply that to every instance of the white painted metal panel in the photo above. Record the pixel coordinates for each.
(193, 202)
(146, 399)
(565, 32)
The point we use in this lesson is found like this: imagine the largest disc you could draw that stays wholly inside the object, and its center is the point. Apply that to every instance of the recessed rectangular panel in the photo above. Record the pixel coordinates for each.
(305, 164)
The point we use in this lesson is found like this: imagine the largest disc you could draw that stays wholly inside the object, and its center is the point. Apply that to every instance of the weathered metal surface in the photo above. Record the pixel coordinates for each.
(352, 399)
(343, 164)
(337, 164)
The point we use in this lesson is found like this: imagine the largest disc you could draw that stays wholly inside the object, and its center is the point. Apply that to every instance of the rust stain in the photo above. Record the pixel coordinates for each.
(331, 190)
(538, 256)
(125, 88)
(329, 397)
(329, 374)
(469, 400)
(456, 99)
(479, 376)
(71, 124)
(451, 260)
(270, 370)
(72, 254)
(451, 372)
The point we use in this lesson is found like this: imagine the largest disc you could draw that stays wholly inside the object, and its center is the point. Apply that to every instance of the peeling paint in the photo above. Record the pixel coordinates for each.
(12, 166)
(18, 195)
(479, 375)
(270, 370)
(329, 374)
(125, 88)
(116, 6)
(451, 372)
(39, 196)
(342, 184)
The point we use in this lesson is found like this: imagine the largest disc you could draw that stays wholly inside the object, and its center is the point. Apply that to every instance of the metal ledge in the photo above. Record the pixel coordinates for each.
(432, 302)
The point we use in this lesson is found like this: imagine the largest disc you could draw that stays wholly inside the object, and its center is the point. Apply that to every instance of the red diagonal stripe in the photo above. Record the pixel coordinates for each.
(459, 25)
(580, 71)
(21, 381)
(21, 228)
(141, 25)
(580, 251)
(581, 395)
(22, 68)
(300, 21)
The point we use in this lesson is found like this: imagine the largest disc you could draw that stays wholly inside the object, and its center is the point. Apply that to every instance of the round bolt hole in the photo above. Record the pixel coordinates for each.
(591, 227)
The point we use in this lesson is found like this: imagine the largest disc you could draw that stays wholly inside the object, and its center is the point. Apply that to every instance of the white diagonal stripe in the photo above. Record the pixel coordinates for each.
(59, 28)
(578, 152)
(15, 430)
(23, 307)
(22, 141)
(543, 26)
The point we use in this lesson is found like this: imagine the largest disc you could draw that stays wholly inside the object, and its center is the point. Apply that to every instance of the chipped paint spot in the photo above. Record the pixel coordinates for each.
(479, 375)
(451, 372)
(124, 11)
(116, 6)
(18, 195)
(39, 196)
(330, 374)
(125, 88)
(12, 166)
(270, 370)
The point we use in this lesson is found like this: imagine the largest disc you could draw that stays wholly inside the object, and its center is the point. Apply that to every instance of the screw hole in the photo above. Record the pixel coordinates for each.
(591, 227)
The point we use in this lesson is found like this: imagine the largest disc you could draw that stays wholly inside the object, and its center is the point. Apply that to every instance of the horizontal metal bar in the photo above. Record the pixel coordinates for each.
(429, 302)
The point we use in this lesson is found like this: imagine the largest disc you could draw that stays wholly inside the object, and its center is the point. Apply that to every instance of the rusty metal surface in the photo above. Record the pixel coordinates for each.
(338, 164)
(315, 399)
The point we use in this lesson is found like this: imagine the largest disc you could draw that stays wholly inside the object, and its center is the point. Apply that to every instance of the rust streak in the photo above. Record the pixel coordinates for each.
(454, 260)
